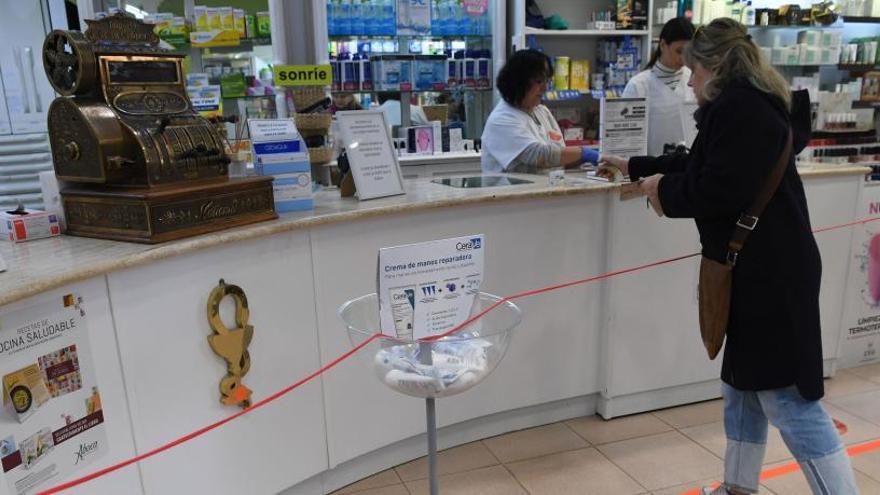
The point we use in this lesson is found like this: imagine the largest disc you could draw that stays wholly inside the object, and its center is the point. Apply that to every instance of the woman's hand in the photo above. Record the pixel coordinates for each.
(650, 187)
(609, 165)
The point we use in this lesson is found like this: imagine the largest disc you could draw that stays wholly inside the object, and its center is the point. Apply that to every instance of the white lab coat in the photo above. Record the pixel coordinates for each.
(509, 131)
(392, 111)
(670, 113)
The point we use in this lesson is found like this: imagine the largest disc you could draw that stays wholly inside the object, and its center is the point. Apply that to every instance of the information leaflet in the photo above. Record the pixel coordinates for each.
(52, 419)
(623, 127)
(428, 288)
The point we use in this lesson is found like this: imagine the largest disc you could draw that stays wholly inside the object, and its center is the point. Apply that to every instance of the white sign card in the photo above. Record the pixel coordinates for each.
(52, 422)
(371, 156)
(623, 127)
(860, 338)
(428, 288)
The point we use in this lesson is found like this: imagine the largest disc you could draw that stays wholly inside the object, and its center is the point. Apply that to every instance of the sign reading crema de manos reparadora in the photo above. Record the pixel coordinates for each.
(303, 75)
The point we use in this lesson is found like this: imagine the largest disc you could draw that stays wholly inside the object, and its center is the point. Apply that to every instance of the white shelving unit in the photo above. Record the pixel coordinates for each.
(577, 41)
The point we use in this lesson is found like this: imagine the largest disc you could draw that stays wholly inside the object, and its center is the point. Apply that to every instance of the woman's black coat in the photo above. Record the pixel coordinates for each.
(774, 336)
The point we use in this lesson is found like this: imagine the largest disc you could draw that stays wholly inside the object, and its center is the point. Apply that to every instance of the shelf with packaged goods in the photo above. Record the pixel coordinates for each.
(242, 43)
(858, 67)
(572, 33)
(453, 89)
(426, 37)
(860, 20)
(248, 97)
(866, 104)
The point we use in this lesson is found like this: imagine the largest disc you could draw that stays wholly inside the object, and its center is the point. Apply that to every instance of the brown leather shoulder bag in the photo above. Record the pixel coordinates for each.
(716, 279)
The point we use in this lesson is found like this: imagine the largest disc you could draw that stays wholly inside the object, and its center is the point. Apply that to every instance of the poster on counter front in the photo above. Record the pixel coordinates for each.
(52, 422)
(428, 288)
(860, 335)
(623, 127)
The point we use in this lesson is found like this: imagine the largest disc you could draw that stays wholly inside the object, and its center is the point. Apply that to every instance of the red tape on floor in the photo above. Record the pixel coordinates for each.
(793, 467)
(201, 431)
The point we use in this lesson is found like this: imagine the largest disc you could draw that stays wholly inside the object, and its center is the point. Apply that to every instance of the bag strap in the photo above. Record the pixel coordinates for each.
(749, 220)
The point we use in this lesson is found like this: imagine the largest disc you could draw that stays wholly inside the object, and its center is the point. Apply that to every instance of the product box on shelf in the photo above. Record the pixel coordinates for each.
(429, 72)
(808, 55)
(393, 72)
(809, 37)
(25, 224)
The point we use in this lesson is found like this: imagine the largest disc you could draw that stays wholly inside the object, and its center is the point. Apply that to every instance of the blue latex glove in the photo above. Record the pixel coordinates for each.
(589, 155)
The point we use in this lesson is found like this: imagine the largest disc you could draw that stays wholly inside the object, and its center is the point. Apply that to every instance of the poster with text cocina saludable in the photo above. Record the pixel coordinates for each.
(52, 422)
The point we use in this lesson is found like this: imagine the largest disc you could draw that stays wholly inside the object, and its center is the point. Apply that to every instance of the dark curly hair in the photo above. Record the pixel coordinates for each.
(517, 75)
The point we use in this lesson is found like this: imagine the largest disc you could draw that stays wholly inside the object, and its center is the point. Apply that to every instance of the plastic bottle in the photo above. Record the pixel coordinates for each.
(389, 21)
(462, 20)
(366, 74)
(331, 18)
(371, 19)
(484, 68)
(357, 17)
(470, 69)
(336, 73)
(749, 14)
(437, 18)
(343, 17)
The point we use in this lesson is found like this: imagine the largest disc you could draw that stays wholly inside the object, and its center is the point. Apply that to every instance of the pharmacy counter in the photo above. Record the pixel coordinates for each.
(578, 350)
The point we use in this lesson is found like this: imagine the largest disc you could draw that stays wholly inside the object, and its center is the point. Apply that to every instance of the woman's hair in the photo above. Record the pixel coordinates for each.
(678, 29)
(725, 48)
(521, 70)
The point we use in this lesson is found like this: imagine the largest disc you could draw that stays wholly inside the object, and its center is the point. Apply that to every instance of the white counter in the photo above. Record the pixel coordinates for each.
(577, 350)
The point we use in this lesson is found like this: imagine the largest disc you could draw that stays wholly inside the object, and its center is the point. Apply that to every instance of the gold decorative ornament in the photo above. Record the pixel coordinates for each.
(231, 345)
(126, 137)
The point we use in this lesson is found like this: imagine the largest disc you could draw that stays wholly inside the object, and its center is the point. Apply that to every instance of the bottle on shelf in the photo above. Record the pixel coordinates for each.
(748, 14)
(356, 14)
(389, 19)
(332, 29)
(371, 20)
(343, 17)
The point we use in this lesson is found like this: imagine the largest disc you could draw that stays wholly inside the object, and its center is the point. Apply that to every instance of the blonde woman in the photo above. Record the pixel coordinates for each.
(772, 369)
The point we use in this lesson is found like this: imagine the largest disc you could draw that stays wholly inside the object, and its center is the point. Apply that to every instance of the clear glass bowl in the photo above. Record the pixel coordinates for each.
(435, 368)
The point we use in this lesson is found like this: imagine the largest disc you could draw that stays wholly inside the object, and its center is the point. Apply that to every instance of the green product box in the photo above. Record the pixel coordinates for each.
(264, 26)
(250, 25)
(233, 85)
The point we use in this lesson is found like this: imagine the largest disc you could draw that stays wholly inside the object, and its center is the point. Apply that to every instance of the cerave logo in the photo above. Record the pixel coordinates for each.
(474, 243)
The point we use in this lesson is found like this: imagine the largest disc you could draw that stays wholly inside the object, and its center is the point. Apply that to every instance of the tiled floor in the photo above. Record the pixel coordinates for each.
(666, 452)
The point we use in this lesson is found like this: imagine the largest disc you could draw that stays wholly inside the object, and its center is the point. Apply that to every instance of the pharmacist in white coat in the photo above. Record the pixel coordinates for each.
(521, 135)
(664, 82)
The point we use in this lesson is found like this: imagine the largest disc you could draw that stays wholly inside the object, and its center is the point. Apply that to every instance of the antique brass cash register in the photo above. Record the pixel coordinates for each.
(140, 163)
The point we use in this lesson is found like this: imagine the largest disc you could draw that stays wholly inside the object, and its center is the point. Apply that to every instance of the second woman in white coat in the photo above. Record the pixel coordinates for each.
(664, 83)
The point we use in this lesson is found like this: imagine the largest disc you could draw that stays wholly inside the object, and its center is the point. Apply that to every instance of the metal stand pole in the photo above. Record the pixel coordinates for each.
(431, 414)
(425, 357)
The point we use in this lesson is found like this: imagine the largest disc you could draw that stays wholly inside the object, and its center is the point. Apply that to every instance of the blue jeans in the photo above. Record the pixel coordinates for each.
(806, 428)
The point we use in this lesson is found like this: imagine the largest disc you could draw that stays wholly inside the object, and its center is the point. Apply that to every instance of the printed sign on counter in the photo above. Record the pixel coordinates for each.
(371, 156)
(428, 288)
(280, 151)
(53, 422)
(860, 338)
(623, 128)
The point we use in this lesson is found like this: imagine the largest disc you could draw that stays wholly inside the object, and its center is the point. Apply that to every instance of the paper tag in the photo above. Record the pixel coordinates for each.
(428, 288)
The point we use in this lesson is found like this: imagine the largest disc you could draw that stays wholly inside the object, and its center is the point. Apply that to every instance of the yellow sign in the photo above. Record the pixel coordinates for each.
(303, 75)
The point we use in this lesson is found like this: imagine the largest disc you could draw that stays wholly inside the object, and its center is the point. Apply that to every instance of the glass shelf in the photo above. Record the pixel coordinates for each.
(860, 20)
(427, 37)
(248, 97)
(456, 89)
